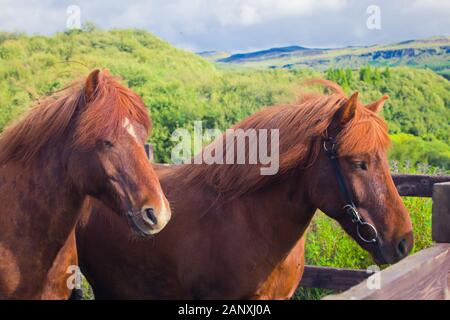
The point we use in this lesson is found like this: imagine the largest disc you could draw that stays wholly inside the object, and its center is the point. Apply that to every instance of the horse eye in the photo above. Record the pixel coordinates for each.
(108, 144)
(360, 165)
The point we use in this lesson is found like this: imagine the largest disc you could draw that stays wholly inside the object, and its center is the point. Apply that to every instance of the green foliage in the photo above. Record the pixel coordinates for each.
(373, 75)
(343, 77)
(415, 150)
(419, 104)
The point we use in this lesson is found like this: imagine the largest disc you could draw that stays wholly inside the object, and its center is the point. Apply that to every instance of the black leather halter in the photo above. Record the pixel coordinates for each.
(330, 147)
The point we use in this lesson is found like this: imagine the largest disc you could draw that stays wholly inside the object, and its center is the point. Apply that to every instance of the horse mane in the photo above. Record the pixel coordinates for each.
(302, 126)
(51, 119)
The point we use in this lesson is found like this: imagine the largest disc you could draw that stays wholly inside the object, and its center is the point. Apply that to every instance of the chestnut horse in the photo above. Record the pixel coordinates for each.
(237, 234)
(86, 140)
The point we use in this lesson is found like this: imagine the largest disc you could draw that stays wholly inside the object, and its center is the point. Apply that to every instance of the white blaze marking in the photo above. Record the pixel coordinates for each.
(130, 128)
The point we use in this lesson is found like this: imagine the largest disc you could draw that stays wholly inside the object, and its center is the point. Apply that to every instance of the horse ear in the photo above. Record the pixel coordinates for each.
(91, 84)
(377, 105)
(347, 111)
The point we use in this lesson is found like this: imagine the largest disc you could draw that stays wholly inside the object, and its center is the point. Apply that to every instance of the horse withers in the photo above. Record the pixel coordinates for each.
(86, 140)
(237, 234)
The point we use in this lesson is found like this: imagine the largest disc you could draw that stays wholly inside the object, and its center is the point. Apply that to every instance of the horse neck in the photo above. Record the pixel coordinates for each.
(281, 213)
(39, 212)
(53, 198)
(275, 217)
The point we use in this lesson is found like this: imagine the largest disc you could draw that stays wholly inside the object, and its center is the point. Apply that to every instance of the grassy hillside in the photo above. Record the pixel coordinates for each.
(180, 87)
(177, 86)
(34, 66)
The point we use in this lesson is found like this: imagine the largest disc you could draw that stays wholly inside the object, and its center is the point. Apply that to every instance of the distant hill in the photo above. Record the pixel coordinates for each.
(272, 53)
(433, 53)
(213, 55)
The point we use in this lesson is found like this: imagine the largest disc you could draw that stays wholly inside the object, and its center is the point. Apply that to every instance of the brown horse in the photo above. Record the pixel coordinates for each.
(237, 234)
(86, 140)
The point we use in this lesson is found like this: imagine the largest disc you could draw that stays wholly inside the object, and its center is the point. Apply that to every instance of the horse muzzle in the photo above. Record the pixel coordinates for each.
(391, 252)
(147, 221)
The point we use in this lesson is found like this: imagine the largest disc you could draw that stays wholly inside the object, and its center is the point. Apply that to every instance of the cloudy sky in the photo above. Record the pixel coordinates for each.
(239, 25)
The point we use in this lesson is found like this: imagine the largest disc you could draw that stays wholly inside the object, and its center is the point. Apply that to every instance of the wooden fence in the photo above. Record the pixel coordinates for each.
(423, 275)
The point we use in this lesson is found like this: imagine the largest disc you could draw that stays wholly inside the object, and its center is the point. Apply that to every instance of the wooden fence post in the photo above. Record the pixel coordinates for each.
(441, 213)
(149, 151)
(441, 219)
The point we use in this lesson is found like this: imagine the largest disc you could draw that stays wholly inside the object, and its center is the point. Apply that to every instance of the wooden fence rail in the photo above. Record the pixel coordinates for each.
(332, 278)
(417, 185)
(423, 275)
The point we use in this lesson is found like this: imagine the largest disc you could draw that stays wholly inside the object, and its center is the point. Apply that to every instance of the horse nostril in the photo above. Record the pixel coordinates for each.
(150, 215)
(402, 247)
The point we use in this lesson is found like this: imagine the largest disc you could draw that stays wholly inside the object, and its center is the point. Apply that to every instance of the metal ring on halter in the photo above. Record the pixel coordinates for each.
(333, 146)
(363, 223)
(350, 209)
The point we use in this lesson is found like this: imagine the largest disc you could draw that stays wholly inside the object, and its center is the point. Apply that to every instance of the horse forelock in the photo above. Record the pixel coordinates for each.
(106, 113)
(301, 130)
(50, 119)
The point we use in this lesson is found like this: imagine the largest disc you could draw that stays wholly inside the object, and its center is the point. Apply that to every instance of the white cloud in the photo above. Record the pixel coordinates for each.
(32, 16)
(240, 24)
(198, 15)
(432, 4)
(250, 12)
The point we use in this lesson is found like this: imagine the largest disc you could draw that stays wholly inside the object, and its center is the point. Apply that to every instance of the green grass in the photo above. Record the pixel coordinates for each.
(413, 150)
(87, 290)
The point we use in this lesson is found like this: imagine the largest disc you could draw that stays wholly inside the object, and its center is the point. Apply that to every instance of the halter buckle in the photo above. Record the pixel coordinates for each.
(331, 148)
(356, 218)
